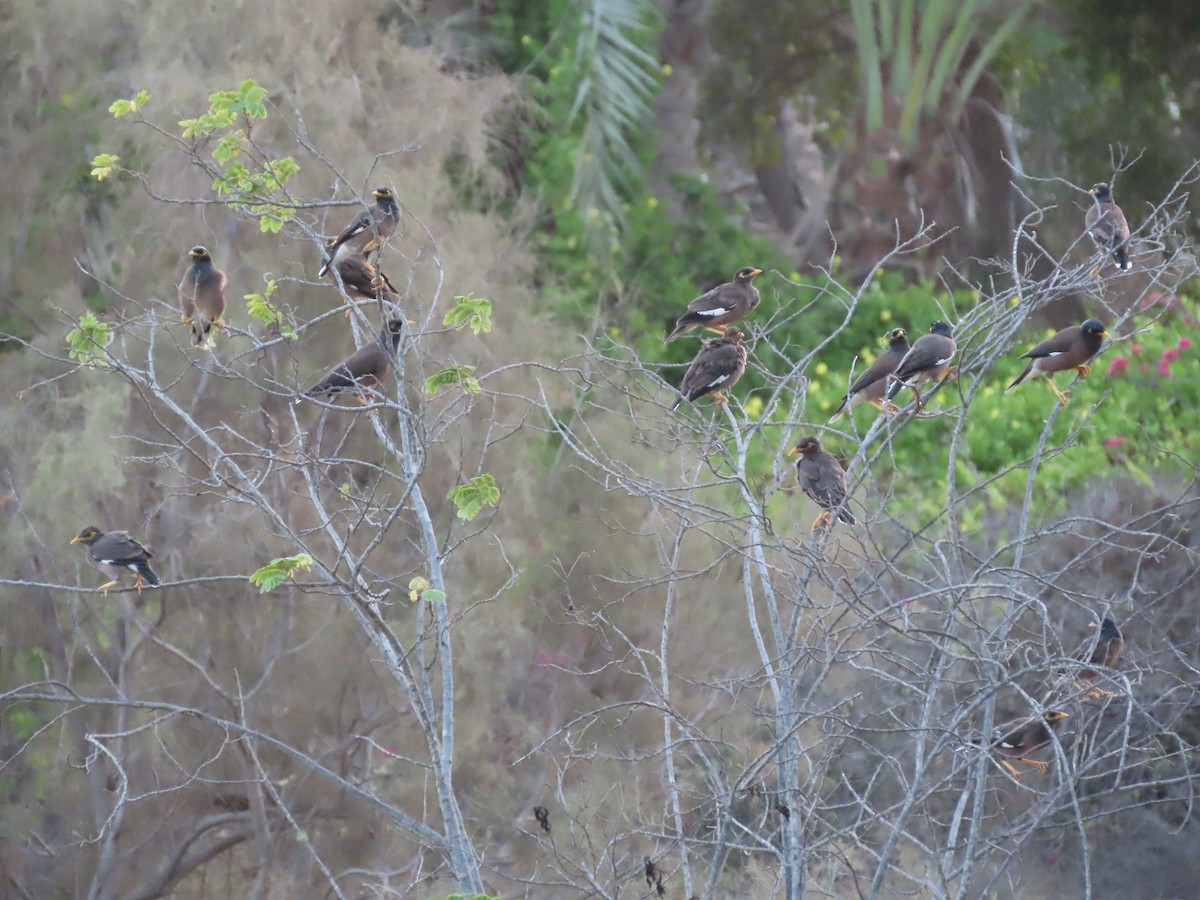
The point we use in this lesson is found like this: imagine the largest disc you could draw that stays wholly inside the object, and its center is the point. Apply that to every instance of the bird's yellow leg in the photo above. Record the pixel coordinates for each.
(104, 587)
(1091, 692)
(1062, 395)
(186, 319)
(822, 520)
(1038, 764)
(716, 329)
(718, 398)
(1012, 770)
(220, 323)
(1084, 370)
(139, 582)
(917, 397)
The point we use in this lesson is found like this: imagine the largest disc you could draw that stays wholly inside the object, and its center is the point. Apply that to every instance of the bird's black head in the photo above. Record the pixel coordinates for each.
(199, 254)
(897, 338)
(391, 333)
(810, 444)
(88, 536)
(1055, 716)
(746, 274)
(1102, 192)
(1093, 328)
(1108, 628)
(939, 328)
(382, 193)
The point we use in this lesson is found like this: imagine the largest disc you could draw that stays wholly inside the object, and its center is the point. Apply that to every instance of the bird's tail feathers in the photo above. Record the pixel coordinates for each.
(1020, 378)
(147, 574)
(678, 400)
(679, 329)
(840, 411)
(893, 388)
(1122, 259)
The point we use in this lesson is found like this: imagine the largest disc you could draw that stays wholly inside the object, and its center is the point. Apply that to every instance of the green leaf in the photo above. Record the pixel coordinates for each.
(121, 108)
(103, 165)
(460, 375)
(87, 342)
(416, 587)
(470, 310)
(260, 307)
(279, 570)
(432, 595)
(470, 498)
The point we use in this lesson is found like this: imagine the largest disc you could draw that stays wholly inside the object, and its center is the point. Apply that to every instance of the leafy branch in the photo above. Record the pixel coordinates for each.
(469, 499)
(88, 340)
(260, 307)
(277, 571)
(470, 311)
(454, 375)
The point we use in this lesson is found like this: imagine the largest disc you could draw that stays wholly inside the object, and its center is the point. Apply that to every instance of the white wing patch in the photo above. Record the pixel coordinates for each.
(717, 381)
(719, 311)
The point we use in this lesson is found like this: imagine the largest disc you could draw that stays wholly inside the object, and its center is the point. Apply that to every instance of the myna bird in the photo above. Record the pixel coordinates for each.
(716, 368)
(1071, 348)
(361, 279)
(202, 295)
(1019, 737)
(364, 368)
(723, 305)
(115, 553)
(822, 477)
(1105, 650)
(869, 387)
(367, 232)
(927, 360)
(1106, 225)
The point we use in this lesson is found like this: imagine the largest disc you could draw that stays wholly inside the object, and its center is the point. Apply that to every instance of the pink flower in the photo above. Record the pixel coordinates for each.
(1136, 349)
(1114, 442)
(1164, 368)
(1118, 365)
(1185, 343)
(1170, 355)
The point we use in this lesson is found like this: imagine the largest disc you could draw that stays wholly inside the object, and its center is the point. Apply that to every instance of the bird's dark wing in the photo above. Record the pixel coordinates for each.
(885, 364)
(118, 548)
(823, 479)
(363, 368)
(711, 369)
(929, 352)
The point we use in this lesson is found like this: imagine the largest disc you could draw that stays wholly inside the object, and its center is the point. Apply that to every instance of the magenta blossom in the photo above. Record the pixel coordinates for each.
(1185, 343)
(1114, 442)
(1171, 354)
(1164, 368)
(1136, 349)
(1117, 366)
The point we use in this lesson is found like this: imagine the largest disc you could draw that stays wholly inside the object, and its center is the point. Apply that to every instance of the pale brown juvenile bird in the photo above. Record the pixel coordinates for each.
(368, 231)
(823, 479)
(869, 387)
(716, 368)
(1106, 225)
(723, 305)
(202, 296)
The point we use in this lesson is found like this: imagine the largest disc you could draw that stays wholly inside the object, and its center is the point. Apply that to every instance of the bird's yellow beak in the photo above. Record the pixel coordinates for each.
(1103, 334)
(76, 540)
(1092, 191)
(793, 451)
(755, 272)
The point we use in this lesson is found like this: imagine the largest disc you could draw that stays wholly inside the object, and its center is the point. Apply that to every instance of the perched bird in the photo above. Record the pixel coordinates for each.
(364, 368)
(822, 477)
(1017, 738)
(1106, 225)
(716, 368)
(1105, 651)
(869, 387)
(927, 360)
(114, 553)
(1071, 348)
(361, 279)
(367, 232)
(202, 296)
(723, 305)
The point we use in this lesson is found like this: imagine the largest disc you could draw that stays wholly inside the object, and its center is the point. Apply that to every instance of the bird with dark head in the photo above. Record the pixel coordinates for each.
(723, 305)
(1105, 651)
(870, 386)
(716, 368)
(114, 553)
(1017, 738)
(1071, 348)
(363, 369)
(927, 360)
(202, 296)
(368, 231)
(1107, 226)
(823, 479)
